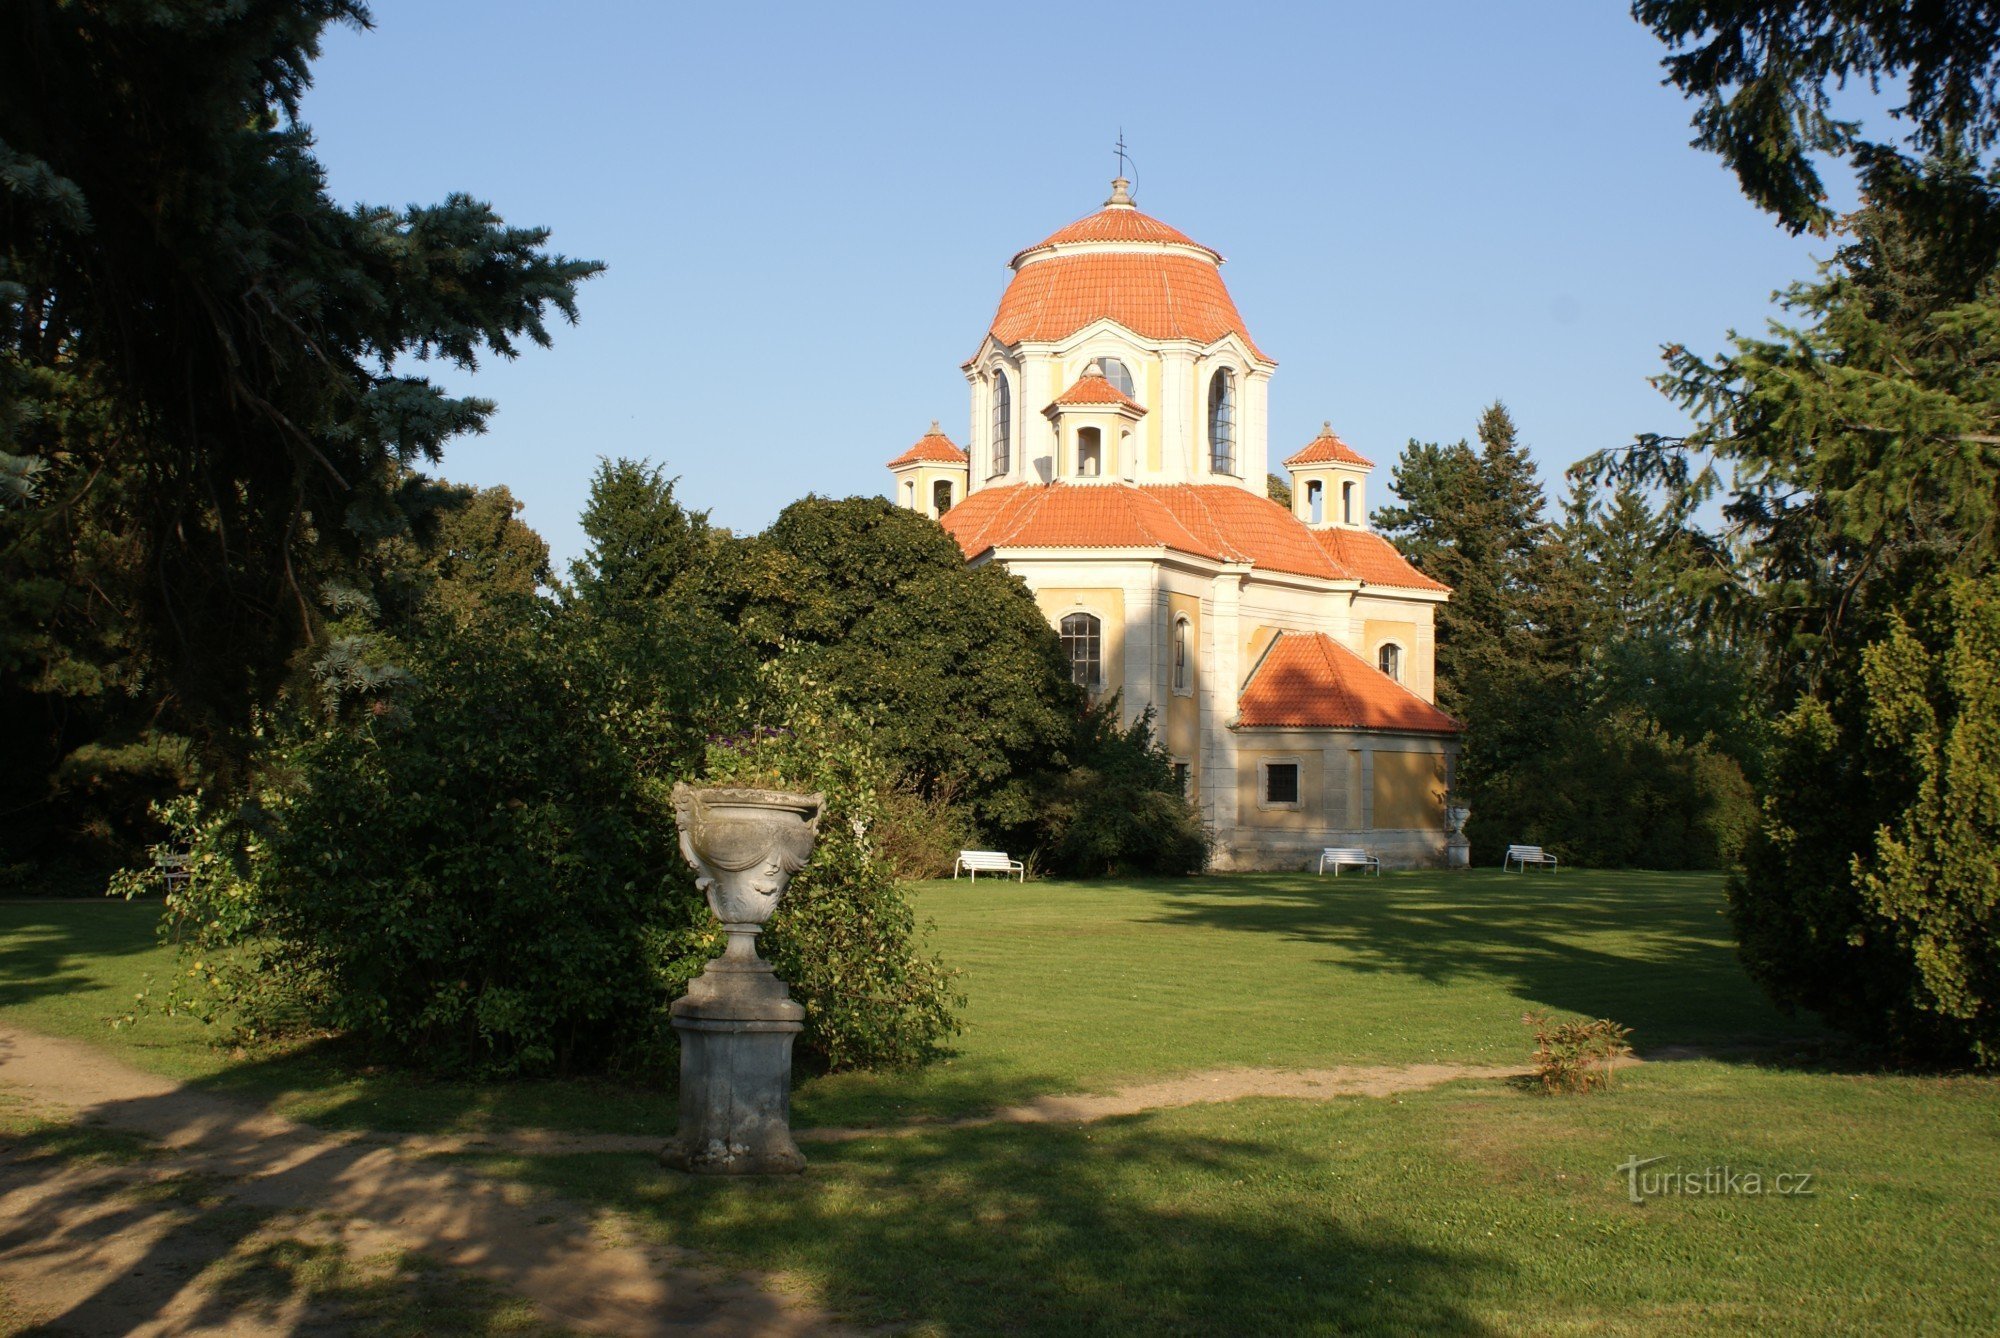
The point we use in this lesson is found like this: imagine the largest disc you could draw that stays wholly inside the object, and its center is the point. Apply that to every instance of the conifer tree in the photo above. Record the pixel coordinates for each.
(206, 360)
(1862, 440)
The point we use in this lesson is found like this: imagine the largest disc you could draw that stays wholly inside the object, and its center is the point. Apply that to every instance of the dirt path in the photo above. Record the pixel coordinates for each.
(98, 1247)
(85, 1248)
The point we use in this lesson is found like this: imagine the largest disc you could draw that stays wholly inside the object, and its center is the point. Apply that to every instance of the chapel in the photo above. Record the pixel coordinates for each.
(1117, 463)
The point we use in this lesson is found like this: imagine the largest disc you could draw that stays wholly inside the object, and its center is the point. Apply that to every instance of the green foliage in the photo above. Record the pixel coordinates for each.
(844, 938)
(201, 353)
(1118, 809)
(643, 608)
(1764, 73)
(1863, 443)
(962, 683)
(468, 875)
(1873, 893)
(1578, 1055)
(1278, 490)
(1618, 790)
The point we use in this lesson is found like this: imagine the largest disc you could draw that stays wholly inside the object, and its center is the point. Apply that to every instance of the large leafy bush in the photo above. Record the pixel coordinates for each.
(465, 872)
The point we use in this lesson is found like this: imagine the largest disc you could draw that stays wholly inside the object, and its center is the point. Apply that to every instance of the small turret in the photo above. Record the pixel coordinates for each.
(1330, 483)
(931, 476)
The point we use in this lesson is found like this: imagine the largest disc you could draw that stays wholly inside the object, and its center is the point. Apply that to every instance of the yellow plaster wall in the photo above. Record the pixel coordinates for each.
(1409, 790)
(1183, 725)
(1255, 641)
(1375, 631)
(1058, 602)
(1311, 811)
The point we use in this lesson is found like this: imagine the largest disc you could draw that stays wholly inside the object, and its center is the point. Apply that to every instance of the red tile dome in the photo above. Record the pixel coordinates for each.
(1121, 265)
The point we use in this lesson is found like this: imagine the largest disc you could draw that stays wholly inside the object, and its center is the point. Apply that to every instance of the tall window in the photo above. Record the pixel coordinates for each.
(1083, 641)
(1003, 423)
(1115, 372)
(1089, 452)
(1183, 775)
(1390, 661)
(941, 496)
(1347, 503)
(1183, 657)
(1222, 421)
(1315, 501)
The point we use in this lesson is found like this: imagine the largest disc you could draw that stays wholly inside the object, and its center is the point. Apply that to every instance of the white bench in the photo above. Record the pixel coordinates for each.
(174, 866)
(976, 862)
(1526, 855)
(1348, 857)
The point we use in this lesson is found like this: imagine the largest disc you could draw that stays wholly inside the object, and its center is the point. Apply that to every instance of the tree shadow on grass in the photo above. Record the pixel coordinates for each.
(1123, 1227)
(1652, 951)
(47, 948)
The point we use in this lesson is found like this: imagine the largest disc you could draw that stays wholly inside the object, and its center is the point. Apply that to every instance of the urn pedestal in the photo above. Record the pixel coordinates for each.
(736, 1025)
(737, 1020)
(1457, 849)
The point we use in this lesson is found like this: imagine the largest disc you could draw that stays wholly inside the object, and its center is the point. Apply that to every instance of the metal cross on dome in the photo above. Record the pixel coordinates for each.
(1123, 157)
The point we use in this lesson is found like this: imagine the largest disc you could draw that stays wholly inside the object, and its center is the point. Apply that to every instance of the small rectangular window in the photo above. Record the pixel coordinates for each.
(1183, 774)
(1281, 783)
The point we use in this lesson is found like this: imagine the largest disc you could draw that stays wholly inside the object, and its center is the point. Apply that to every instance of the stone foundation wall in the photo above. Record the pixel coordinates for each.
(1263, 851)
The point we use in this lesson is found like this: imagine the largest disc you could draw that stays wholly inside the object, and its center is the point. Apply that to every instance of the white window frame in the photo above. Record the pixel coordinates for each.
(1394, 675)
(1103, 646)
(1000, 420)
(1233, 378)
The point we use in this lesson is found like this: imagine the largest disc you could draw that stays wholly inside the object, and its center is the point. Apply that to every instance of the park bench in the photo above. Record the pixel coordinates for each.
(1526, 855)
(976, 862)
(1348, 857)
(173, 866)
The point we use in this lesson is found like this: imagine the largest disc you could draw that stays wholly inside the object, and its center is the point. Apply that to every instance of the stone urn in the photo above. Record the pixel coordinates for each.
(1457, 849)
(737, 1020)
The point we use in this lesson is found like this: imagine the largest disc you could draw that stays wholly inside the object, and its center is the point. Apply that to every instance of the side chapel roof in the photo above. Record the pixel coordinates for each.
(1308, 680)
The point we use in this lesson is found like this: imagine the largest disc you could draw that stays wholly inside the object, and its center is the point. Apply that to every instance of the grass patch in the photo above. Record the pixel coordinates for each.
(1475, 1208)
(1071, 987)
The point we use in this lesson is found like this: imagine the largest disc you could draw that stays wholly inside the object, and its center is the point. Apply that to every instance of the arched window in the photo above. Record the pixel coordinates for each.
(1183, 656)
(1083, 642)
(1089, 452)
(1347, 503)
(1315, 501)
(910, 493)
(1003, 423)
(1222, 421)
(1115, 372)
(1389, 660)
(941, 496)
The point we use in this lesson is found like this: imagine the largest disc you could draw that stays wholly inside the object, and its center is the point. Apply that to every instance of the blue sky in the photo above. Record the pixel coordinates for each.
(807, 213)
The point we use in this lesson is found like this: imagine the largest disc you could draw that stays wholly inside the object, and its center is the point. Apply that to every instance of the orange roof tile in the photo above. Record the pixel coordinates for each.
(1115, 223)
(1208, 520)
(1092, 388)
(1373, 560)
(934, 447)
(1327, 448)
(1214, 521)
(1310, 681)
(1156, 294)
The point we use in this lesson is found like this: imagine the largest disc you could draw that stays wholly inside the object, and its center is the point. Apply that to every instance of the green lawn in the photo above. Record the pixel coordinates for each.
(1477, 1207)
(1070, 987)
